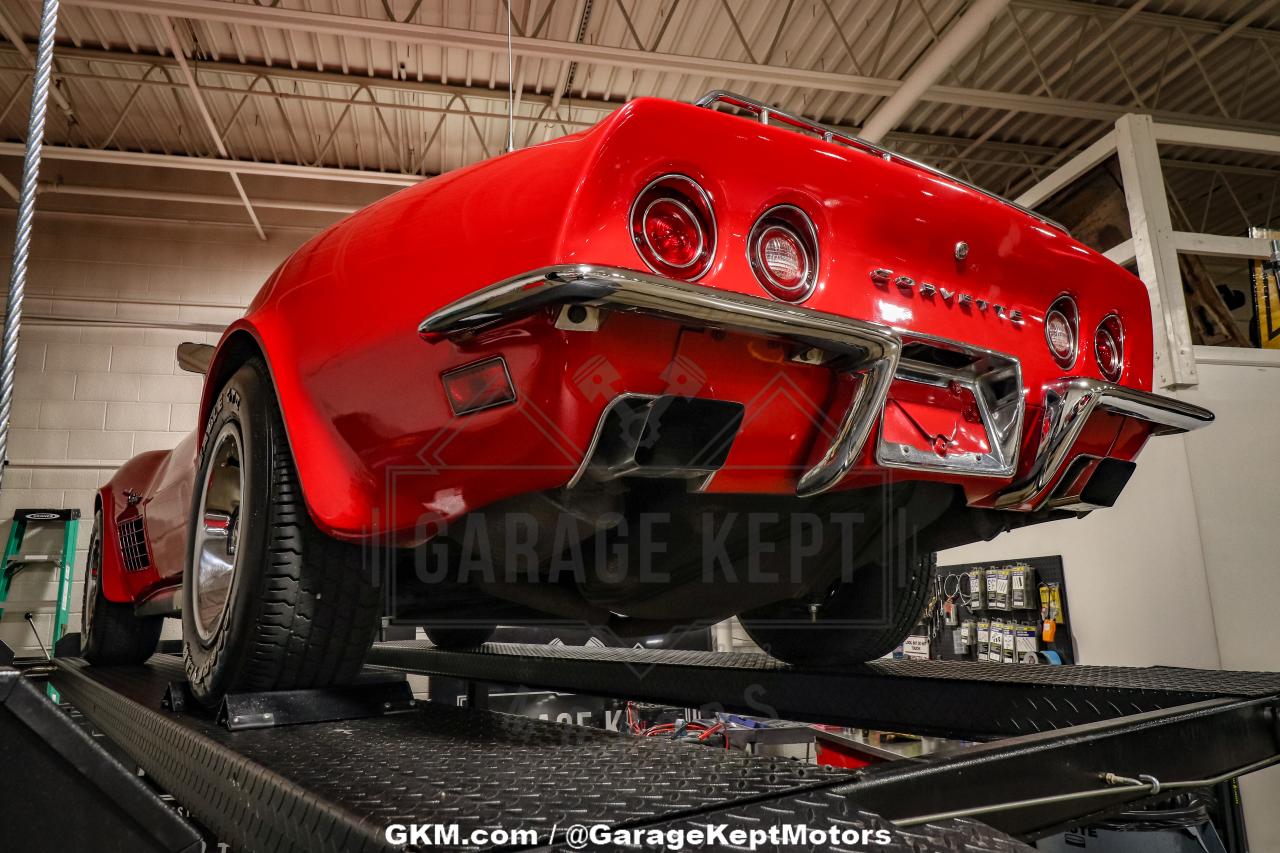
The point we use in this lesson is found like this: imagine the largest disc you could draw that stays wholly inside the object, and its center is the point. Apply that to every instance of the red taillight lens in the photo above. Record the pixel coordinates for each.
(672, 233)
(783, 250)
(674, 228)
(1061, 323)
(482, 385)
(1108, 347)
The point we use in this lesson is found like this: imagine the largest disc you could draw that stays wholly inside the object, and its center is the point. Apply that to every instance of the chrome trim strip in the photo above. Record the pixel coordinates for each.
(766, 114)
(872, 349)
(1068, 404)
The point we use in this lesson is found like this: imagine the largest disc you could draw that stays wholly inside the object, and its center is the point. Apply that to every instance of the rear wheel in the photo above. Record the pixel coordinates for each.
(110, 633)
(269, 601)
(861, 619)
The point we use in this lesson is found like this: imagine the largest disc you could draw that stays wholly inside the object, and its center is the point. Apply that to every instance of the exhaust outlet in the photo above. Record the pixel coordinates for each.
(662, 437)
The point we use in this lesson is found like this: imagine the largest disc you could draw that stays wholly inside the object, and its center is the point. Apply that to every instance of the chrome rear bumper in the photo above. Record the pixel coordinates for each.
(867, 350)
(1068, 406)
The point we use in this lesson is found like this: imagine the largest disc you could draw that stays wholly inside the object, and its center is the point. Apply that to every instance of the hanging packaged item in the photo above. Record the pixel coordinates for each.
(990, 585)
(998, 588)
(1022, 582)
(1051, 602)
(995, 648)
(984, 637)
(1026, 641)
(1009, 653)
(977, 589)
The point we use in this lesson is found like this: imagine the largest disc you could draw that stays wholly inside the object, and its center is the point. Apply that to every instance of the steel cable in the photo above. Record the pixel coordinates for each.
(26, 214)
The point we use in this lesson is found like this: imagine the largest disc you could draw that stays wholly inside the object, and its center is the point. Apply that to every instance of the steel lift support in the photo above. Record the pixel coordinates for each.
(329, 770)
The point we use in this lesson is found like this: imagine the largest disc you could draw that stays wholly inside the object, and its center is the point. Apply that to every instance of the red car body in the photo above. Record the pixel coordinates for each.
(380, 453)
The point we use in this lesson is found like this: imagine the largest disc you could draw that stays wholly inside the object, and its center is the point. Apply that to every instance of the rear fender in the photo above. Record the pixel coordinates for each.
(112, 579)
(134, 476)
(358, 388)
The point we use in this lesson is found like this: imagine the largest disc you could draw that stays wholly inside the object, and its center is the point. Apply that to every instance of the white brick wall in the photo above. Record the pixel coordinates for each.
(88, 396)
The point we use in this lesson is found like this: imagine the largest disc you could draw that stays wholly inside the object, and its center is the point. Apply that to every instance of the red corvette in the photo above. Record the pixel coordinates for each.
(684, 365)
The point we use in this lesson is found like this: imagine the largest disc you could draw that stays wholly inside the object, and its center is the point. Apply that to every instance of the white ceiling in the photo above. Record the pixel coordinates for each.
(415, 87)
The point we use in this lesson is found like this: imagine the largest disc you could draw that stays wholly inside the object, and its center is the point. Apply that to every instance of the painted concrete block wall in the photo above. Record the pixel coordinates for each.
(101, 384)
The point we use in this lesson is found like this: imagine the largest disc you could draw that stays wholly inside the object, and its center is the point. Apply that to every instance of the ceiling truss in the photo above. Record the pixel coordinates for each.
(353, 88)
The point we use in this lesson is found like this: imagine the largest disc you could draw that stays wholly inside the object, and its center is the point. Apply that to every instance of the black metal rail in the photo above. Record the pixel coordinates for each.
(335, 786)
(947, 698)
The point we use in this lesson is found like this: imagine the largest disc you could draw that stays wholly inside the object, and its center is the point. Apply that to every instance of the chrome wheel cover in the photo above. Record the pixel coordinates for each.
(216, 551)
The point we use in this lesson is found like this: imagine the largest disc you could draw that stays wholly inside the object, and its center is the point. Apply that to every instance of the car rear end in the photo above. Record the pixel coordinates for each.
(863, 315)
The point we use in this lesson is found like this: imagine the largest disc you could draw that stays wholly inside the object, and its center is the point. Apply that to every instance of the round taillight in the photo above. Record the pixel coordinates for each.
(783, 250)
(1108, 347)
(1061, 323)
(673, 227)
(783, 257)
(672, 232)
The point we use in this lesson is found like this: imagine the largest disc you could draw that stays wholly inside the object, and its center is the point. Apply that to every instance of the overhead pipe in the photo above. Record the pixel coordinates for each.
(26, 215)
(194, 198)
(929, 70)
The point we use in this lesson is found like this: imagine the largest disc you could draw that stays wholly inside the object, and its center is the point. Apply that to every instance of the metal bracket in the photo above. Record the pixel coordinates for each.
(288, 707)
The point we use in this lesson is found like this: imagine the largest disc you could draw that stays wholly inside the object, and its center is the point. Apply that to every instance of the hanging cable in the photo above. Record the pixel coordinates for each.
(26, 214)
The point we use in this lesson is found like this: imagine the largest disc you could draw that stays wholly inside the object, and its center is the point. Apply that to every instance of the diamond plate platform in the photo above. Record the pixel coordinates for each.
(336, 785)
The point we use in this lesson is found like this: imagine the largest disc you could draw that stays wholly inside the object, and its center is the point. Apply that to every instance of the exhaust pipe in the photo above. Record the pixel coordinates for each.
(661, 437)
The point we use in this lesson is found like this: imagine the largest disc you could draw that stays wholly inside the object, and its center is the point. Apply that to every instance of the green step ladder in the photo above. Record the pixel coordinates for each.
(16, 560)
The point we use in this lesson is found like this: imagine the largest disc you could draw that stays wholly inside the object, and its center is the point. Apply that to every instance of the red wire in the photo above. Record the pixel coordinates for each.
(704, 731)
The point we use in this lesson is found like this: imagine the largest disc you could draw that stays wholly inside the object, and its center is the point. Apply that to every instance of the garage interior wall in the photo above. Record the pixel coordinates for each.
(90, 392)
(1182, 571)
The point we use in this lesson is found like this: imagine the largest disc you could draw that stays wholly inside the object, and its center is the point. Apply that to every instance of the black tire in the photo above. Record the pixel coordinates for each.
(457, 637)
(862, 619)
(302, 609)
(110, 633)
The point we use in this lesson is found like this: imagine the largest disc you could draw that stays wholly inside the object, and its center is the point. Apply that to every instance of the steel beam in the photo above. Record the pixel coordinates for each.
(966, 31)
(1155, 251)
(1077, 8)
(322, 23)
(1069, 171)
(1122, 254)
(193, 198)
(211, 126)
(210, 164)
(1208, 137)
(1217, 246)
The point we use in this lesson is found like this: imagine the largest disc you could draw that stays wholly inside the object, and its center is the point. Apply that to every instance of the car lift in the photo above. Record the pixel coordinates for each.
(329, 770)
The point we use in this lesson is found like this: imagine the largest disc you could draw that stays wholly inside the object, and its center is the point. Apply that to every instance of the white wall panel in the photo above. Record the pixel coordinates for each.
(1183, 570)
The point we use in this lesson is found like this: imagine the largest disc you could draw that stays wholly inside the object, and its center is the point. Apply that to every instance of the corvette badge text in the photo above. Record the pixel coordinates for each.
(581, 836)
